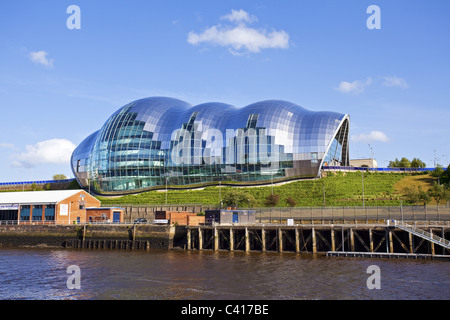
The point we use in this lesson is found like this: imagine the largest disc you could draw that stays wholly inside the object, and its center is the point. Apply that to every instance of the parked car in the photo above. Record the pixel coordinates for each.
(140, 220)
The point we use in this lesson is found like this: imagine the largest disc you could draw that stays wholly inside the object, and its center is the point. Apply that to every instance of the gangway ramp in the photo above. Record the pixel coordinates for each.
(423, 234)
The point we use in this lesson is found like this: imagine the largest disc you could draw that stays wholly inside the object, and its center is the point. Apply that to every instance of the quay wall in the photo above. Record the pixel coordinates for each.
(157, 236)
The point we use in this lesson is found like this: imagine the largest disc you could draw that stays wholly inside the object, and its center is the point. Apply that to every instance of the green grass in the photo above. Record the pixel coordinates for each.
(340, 190)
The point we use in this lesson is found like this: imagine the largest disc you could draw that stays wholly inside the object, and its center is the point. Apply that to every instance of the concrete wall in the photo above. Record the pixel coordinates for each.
(369, 163)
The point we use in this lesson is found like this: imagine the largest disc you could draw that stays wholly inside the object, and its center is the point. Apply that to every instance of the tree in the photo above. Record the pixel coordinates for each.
(445, 178)
(417, 163)
(394, 164)
(439, 192)
(424, 196)
(239, 198)
(291, 201)
(411, 194)
(59, 177)
(438, 171)
(403, 163)
(272, 200)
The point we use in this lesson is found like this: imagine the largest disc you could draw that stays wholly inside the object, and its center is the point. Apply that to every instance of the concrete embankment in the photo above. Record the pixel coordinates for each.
(157, 237)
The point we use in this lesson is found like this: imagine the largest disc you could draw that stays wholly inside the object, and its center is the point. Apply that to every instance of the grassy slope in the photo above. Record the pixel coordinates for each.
(340, 190)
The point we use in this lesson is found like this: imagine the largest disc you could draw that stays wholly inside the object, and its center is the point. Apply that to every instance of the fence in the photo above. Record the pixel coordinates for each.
(393, 169)
(300, 214)
(352, 214)
(310, 214)
(27, 185)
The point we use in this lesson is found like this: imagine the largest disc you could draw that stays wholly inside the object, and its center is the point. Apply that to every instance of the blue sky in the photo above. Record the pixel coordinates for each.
(58, 85)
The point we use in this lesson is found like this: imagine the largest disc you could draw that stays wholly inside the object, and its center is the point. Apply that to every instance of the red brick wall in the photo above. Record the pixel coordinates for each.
(74, 208)
(96, 215)
(195, 220)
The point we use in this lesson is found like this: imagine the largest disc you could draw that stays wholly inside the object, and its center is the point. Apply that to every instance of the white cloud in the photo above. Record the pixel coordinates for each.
(54, 151)
(372, 136)
(395, 82)
(240, 38)
(40, 57)
(239, 16)
(359, 86)
(354, 87)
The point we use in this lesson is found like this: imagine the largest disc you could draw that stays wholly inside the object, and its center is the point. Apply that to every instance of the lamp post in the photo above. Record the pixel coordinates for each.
(323, 188)
(371, 155)
(220, 194)
(362, 176)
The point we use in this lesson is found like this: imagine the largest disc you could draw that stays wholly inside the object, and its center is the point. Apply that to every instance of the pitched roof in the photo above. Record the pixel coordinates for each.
(36, 196)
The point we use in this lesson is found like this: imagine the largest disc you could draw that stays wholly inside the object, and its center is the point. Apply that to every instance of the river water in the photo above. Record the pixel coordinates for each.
(42, 274)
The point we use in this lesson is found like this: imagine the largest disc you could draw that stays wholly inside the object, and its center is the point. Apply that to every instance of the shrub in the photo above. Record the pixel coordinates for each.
(291, 201)
(272, 200)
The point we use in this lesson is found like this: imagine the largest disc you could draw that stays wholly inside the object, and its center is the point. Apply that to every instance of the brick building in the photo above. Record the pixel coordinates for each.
(53, 207)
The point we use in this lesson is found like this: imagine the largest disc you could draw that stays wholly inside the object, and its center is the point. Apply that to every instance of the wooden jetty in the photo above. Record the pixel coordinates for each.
(350, 238)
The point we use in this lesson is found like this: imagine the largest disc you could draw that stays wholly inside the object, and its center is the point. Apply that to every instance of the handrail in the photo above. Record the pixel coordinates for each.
(422, 233)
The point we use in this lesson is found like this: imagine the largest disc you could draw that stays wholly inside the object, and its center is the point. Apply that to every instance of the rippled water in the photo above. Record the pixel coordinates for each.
(42, 274)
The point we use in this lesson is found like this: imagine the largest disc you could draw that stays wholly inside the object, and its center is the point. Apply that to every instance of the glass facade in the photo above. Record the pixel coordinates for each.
(37, 213)
(25, 213)
(159, 141)
(49, 212)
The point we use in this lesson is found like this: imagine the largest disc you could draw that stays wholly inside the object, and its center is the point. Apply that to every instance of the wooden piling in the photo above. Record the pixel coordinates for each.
(431, 243)
(333, 245)
(314, 245)
(200, 239)
(391, 243)
(231, 239)
(247, 240)
(216, 239)
(189, 239)
(263, 240)
(280, 239)
(352, 240)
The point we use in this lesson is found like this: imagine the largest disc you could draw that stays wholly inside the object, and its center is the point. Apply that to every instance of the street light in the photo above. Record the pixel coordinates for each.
(371, 154)
(323, 188)
(362, 176)
(220, 194)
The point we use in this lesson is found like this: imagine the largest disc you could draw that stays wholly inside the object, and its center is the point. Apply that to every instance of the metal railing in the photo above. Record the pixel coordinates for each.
(40, 223)
(388, 169)
(422, 233)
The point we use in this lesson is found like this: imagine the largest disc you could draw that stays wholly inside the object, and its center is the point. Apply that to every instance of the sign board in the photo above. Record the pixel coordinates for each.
(63, 209)
(9, 207)
(161, 221)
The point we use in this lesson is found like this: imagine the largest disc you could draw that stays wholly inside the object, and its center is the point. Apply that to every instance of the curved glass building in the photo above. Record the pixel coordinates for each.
(156, 142)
